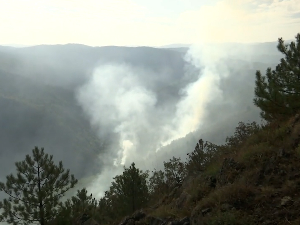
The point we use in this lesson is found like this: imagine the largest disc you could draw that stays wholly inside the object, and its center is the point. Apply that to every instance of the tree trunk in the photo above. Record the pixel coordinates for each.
(42, 219)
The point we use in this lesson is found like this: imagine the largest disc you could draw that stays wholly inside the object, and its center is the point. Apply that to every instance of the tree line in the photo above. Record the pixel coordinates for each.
(35, 192)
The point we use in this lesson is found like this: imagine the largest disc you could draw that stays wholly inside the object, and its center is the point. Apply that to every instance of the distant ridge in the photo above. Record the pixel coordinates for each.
(175, 46)
(15, 45)
(163, 46)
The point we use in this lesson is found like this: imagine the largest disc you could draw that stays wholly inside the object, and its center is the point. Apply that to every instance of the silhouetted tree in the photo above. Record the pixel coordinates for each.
(106, 212)
(278, 93)
(73, 209)
(241, 133)
(202, 155)
(157, 185)
(129, 191)
(175, 172)
(35, 192)
(157, 182)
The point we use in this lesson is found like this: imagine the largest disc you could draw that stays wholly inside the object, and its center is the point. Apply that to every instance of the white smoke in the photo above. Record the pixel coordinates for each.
(114, 96)
(191, 108)
(117, 97)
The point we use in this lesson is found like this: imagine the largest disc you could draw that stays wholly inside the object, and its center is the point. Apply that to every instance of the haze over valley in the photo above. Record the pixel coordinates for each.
(109, 106)
(102, 84)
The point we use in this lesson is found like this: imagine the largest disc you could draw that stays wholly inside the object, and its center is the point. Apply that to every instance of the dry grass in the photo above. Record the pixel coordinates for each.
(253, 155)
(198, 190)
(213, 168)
(266, 177)
(236, 194)
(167, 211)
(233, 217)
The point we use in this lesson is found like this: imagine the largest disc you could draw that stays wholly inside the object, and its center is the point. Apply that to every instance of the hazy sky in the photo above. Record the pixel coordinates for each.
(146, 22)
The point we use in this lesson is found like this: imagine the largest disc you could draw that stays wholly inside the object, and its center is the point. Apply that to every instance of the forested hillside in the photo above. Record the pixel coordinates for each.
(39, 108)
(253, 178)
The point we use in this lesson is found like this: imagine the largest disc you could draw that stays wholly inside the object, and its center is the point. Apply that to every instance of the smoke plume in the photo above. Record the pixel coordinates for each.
(118, 99)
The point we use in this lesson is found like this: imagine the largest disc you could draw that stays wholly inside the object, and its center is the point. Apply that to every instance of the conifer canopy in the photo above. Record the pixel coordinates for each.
(277, 93)
(35, 192)
(130, 190)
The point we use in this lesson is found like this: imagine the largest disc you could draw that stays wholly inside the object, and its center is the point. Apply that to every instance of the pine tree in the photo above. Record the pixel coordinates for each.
(35, 192)
(158, 183)
(161, 183)
(84, 203)
(73, 209)
(202, 155)
(278, 93)
(129, 191)
(241, 133)
(175, 172)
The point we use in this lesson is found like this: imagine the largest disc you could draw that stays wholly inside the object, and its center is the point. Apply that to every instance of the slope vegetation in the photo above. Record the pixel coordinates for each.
(253, 179)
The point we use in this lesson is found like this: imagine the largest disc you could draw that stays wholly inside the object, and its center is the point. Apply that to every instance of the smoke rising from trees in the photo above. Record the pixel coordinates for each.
(122, 99)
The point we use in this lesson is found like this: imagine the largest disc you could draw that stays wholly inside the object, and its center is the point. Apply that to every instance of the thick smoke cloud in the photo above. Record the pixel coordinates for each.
(218, 95)
(116, 99)
(145, 104)
(191, 107)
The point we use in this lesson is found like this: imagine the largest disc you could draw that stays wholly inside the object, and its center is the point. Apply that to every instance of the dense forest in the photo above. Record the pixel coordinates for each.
(253, 178)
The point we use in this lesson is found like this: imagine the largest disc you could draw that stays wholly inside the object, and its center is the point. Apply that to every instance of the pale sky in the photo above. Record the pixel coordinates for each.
(146, 22)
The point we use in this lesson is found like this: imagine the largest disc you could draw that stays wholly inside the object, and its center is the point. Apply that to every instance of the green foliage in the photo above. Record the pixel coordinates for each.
(175, 172)
(64, 216)
(163, 182)
(83, 203)
(241, 133)
(73, 209)
(278, 93)
(157, 183)
(213, 168)
(202, 155)
(35, 192)
(127, 193)
(105, 212)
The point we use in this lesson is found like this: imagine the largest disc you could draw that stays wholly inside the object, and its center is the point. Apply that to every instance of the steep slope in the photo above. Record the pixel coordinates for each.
(254, 181)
